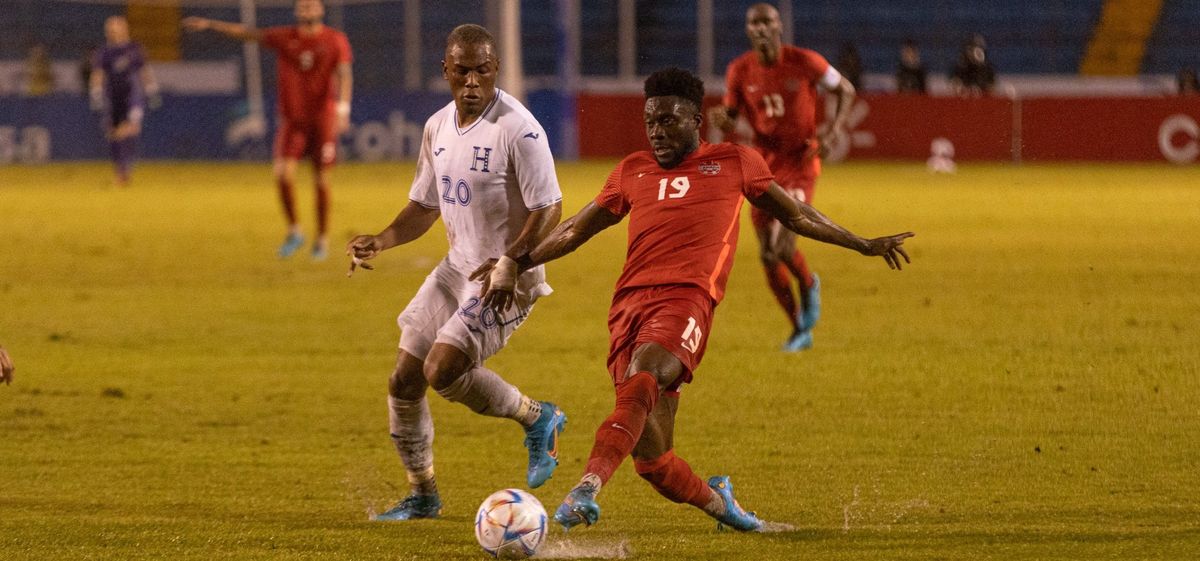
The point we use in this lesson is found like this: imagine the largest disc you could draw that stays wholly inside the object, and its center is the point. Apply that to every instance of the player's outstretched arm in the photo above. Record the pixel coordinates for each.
(567, 237)
(6, 367)
(810, 223)
(228, 29)
(410, 224)
(502, 279)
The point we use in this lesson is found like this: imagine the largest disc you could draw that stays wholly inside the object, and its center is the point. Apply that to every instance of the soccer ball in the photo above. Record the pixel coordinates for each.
(510, 524)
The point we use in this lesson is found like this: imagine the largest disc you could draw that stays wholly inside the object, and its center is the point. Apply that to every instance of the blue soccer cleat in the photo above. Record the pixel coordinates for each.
(541, 439)
(291, 243)
(811, 300)
(413, 507)
(734, 516)
(320, 251)
(801, 340)
(579, 507)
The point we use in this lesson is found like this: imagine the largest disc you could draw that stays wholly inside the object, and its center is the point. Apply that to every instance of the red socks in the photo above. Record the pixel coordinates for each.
(619, 433)
(674, 479)
(780, 281)
(323, 196)
(287, 197)
(779, 278)
(799, 268)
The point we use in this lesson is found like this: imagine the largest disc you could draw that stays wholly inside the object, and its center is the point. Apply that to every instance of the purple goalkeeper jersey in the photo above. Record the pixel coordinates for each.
(121, 65)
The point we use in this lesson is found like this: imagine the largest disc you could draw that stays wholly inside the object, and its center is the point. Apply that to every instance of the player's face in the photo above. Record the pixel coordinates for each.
(309, 11)
(116, 30)
(763, 27)
(673, 128)
(471, 71)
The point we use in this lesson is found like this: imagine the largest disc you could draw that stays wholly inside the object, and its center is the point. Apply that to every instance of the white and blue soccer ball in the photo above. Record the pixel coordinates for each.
(510, 524)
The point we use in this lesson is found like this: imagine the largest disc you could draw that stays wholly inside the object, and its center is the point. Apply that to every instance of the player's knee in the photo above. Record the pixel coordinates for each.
(441, 373)
(406, 382)
(769, 257)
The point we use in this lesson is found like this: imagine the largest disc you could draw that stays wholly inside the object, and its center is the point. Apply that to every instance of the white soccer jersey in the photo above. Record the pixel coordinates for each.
(485, 178)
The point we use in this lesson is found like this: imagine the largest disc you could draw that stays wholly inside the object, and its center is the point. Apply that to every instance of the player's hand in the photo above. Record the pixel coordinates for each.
(891, 248)
(360, 249)
(194, 23)
(499, 278)
(827, 140)
(719, 117)
(6, 367)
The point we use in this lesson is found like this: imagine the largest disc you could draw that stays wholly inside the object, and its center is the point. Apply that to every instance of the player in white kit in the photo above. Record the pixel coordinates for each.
(485, 167)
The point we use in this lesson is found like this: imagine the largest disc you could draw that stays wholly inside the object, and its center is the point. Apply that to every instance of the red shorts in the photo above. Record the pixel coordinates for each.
(315, 139)
(798, 180)
(676, 317)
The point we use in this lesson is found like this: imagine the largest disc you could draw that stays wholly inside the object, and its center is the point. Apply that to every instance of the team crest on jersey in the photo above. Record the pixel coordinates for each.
(710, 168)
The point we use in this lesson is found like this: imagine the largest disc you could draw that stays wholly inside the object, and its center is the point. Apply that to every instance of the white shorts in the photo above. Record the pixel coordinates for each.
(447, 309)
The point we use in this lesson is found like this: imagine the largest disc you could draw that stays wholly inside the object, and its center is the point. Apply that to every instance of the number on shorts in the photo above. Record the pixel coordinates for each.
(692, 335)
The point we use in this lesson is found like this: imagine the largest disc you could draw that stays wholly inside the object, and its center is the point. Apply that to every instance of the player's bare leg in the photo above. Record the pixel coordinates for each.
(411, 428)
(782, 261)
(779, 278)
(320, 248)
(456, 377)
(285, 180)
(123, 146)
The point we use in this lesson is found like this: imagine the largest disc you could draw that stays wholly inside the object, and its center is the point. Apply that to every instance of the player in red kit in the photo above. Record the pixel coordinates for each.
(314, 106)
(683, 198)
(775, 87)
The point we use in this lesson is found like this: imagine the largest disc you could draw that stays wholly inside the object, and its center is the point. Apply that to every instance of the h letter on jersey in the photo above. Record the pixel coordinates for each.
(487, 155)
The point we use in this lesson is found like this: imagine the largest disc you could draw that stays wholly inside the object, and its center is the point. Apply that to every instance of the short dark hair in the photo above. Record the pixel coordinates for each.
(676, 82)
(470, 34)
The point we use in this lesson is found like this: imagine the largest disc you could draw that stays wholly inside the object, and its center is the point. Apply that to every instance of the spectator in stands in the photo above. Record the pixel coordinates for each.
(1187, 82)
(974, 75)
(39, 73)
(850, 64)
(910, 72)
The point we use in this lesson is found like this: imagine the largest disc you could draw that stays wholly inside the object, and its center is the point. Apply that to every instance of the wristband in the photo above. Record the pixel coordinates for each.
(507, 263)
(524, 262)
(343, 109)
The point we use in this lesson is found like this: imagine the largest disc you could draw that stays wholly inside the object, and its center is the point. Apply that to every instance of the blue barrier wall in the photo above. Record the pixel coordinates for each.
(215, 127)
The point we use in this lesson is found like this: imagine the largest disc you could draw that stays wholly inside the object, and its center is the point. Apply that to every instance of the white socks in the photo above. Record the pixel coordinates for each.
(486, 393)
(412, 433)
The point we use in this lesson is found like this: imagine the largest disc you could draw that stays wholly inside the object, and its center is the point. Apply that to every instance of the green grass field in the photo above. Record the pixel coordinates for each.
(1029, 388)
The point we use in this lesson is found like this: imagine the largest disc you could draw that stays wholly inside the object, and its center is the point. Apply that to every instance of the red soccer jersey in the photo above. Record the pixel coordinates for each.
(307, 64)
(683, 221)
(780, 100)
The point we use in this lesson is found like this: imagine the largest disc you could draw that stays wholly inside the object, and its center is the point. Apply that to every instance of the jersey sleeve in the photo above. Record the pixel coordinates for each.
(345, 55)
(534, 165)
(274, 37)
(424, 189)
(813, 65)
(612, 197)
(756, 176)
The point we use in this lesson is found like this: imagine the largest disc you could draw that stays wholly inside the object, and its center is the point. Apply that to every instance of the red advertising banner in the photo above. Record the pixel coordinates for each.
(992, 128)
(1111, 129)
